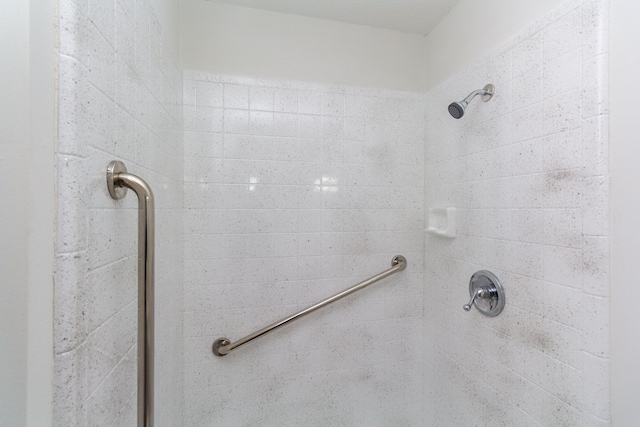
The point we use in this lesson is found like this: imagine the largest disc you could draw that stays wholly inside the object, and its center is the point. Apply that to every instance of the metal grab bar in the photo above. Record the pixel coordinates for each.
(223, 346)
(118, 181)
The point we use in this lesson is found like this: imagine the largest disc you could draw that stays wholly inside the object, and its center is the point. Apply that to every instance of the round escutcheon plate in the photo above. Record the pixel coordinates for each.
(488, 306)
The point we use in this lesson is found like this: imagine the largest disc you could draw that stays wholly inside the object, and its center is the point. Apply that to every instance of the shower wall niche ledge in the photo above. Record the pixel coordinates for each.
(441, 222)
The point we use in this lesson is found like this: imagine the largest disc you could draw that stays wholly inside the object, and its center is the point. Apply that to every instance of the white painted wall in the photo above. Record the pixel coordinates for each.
(168, 12)
(625, 190)
(473, 27)
(229, 39)
(14, 120)
(223, 38)
(26, 212)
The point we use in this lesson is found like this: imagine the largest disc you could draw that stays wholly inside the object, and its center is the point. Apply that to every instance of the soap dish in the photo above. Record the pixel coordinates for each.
(441, 222)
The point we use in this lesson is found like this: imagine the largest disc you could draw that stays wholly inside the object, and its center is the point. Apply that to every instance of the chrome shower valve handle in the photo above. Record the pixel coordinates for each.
(481, 293)
(487, 293)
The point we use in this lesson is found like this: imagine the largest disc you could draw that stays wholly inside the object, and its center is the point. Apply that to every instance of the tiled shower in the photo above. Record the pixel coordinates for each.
(294, 192)
(273, 194)
(528, 172)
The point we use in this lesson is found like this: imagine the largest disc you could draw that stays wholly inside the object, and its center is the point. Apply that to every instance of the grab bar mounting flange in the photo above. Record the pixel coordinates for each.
(116, 191)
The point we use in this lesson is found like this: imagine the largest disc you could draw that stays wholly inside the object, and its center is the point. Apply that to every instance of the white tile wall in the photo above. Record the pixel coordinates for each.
(293, 192)
(120, 97)
(528, 173)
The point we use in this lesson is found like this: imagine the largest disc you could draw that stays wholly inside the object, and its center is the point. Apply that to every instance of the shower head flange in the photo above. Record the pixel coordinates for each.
(489, 91)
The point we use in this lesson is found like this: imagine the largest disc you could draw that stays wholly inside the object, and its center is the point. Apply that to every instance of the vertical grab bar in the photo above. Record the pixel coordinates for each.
(118, 181)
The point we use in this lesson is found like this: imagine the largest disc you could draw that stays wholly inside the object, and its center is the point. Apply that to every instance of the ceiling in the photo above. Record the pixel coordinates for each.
(409, 16)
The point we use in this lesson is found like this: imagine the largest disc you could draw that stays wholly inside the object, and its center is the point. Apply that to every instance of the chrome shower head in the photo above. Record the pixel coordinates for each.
(456, 109)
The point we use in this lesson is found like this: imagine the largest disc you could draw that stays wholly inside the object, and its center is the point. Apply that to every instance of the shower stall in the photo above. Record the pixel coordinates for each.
(273, 192)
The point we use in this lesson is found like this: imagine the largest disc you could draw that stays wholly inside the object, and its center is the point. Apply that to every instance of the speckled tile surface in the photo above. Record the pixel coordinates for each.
(272, 195)
(315, 188)
(120, 98)
(542, 229)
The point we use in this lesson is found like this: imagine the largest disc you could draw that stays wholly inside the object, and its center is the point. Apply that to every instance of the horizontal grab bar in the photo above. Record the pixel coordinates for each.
(223, 346)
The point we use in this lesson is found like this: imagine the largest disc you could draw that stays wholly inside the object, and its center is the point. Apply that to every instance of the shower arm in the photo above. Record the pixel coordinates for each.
(474, 94)
(118, 181)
